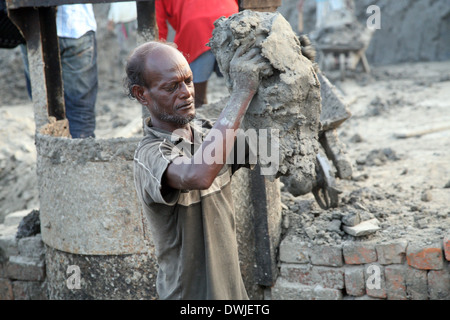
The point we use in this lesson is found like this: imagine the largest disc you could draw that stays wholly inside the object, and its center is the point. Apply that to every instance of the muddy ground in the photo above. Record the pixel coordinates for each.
(403, 183)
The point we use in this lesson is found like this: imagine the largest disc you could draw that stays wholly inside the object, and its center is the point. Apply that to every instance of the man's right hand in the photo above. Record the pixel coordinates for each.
(246, 68)
(198, 173)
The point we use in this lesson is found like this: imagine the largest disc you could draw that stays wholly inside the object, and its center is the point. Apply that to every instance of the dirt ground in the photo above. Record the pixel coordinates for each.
(404, 183)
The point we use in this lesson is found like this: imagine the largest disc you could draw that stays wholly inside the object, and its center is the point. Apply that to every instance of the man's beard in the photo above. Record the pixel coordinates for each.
(176, 119)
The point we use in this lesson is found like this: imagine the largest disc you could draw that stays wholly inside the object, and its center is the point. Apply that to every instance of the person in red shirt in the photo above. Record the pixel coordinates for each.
(193, 22)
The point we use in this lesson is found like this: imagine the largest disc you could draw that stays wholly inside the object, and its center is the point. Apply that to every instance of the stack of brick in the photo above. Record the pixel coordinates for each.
(22, 262)
(395, 270)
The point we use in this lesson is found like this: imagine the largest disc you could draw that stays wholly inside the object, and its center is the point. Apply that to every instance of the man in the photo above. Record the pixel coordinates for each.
(193, 22)
(122, 20)
(186, 197)
(76, 27)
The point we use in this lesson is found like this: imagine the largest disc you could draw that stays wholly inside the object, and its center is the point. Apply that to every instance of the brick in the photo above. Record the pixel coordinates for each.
(439, 284)
(416, 284)
(330, 256)
(447, 247)
(363, 229)
(25, 268)
(366, 297)
(326, 277)
(395, 276)
(8, 242)
(375, 280)
(354, 281)
(32, 247)
(29, 290)
(321, 293)
(359, 252)
(285, 290)
(425, 257)
(293, 250)
(393, 252)
(6, 292)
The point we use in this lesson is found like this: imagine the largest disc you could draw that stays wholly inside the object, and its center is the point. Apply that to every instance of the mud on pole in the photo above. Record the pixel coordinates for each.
(264, 206)
(38, 27)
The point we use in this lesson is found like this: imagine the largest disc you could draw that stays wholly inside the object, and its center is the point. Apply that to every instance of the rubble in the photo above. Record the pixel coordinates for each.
(288, 100)
(363, 229)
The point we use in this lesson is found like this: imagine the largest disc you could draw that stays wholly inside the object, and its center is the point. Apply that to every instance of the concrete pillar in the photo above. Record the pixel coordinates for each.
(95, 233)
(91, 221)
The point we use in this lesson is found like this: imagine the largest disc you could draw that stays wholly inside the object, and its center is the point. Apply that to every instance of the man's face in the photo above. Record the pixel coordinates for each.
(170, 90)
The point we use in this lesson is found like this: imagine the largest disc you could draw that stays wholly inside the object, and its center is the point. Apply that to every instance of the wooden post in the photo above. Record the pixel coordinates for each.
(38, 26)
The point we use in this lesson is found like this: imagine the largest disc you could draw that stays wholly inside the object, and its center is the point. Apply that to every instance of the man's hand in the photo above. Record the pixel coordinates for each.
(246, 67)
(198, 173)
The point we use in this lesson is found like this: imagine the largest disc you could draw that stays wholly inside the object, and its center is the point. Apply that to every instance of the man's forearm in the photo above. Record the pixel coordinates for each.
(200, 171)
(229, 121)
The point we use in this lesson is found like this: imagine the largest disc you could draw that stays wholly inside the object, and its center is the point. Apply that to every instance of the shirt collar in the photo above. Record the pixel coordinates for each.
(196, 126)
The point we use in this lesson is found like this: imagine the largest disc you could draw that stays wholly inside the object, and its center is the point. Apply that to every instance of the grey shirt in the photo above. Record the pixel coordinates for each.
(193, 231)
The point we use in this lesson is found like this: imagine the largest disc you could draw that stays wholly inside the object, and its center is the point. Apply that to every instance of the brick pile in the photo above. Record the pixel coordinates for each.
(22, 263)
(393, 270)
(398, 269)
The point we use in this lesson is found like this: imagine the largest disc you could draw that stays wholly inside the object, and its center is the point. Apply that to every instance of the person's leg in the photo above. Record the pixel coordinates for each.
(79, 71)
(129, 42)
(201, 90)
(202, 68)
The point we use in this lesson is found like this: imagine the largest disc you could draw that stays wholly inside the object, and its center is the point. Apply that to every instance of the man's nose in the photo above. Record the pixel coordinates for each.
(185, 90)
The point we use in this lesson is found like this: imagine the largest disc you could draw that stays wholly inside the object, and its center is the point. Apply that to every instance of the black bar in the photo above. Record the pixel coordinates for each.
(15, 4)
(52, 63)
(147, 26)
(263, 258)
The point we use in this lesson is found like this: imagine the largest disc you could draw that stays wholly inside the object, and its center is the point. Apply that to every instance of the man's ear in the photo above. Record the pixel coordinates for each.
(138, 93)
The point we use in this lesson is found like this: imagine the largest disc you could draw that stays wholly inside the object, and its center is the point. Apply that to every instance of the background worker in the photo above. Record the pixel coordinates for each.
(193, 22)
(76, 29)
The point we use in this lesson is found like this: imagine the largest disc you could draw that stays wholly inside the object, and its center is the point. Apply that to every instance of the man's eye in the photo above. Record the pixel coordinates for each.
(173, 87)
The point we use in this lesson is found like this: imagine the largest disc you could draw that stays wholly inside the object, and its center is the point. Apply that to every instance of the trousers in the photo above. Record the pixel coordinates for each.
(80, 78)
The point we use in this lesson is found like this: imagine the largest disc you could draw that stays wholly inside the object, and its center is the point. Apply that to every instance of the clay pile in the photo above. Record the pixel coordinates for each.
(288, 101)
(342, 29)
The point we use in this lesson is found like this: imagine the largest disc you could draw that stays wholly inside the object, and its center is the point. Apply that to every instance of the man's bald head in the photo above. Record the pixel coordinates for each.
(137, 63)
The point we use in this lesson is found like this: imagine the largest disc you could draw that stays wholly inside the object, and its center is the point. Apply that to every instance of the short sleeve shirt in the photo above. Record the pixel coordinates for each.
(193, 231)
(193, 22)
(74, 20)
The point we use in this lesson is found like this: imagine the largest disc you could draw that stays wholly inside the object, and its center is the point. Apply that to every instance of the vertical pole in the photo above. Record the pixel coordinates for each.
(264, 257)
(264, 267)
(147, 26)
(52, 63)
(147, 29)
(38, 27)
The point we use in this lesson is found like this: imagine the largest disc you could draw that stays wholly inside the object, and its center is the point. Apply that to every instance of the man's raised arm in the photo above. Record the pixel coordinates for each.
(198, 173)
